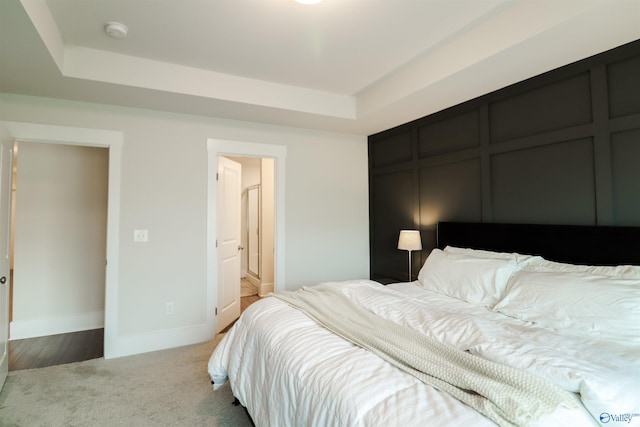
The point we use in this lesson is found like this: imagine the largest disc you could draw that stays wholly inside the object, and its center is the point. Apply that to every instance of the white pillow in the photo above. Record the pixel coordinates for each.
(478, 281)
(481, 253)
(580, 302)
(619, 271)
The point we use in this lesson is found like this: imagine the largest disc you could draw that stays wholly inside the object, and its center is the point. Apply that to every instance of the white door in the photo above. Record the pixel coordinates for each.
(5, 207)
(228, 242)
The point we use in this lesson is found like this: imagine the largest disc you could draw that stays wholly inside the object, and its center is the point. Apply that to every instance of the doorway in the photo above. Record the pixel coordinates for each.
(256, 225)
(223, 148)
(245, 233)
(58, 246)
(114, 344)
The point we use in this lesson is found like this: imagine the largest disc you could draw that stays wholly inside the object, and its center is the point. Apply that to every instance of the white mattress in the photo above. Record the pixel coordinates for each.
(289, 371)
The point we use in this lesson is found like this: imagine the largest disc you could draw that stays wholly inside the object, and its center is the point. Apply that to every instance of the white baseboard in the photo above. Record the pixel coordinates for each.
(127, 345)
(119, 345)
(21, 329)
(253, 280)
(265, 288)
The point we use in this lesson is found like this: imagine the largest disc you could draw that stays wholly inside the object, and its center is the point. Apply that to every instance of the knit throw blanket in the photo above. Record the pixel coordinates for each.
(506, 395)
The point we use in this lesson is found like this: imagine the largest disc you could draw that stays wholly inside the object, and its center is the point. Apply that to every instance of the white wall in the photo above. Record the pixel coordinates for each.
(326, 185)
(60, 250)
(164, 190)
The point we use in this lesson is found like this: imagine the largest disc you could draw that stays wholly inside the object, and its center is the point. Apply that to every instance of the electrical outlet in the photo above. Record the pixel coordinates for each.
(169, 309)
(141, 236)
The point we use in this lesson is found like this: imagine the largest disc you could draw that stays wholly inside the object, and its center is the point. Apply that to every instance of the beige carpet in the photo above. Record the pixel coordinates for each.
(163, 388)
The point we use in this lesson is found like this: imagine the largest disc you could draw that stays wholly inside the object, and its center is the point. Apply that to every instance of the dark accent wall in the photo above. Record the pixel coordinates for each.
(560, 148)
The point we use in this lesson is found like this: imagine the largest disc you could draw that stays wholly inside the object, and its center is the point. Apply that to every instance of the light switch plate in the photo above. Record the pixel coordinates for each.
(140, 235)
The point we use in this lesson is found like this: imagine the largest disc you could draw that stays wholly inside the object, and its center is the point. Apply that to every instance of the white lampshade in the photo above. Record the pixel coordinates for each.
(410, 240)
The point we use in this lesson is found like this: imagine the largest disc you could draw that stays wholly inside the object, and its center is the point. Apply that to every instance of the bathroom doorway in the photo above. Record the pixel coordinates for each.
(257, 225)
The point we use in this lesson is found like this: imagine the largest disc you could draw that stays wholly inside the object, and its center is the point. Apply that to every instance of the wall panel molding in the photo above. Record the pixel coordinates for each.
(559, 148)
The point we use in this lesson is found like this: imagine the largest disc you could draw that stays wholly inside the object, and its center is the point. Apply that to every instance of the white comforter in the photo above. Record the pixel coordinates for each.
(289, 371)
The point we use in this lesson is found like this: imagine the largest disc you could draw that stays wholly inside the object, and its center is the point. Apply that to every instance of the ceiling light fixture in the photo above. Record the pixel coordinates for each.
(116, 29)
(308, 1)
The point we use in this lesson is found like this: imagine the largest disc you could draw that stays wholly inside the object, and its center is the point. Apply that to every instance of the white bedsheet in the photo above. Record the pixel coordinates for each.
(289, 371)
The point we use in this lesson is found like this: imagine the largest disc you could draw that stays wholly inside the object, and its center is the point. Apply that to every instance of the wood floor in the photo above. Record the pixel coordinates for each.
(53, 350)
(247, 301)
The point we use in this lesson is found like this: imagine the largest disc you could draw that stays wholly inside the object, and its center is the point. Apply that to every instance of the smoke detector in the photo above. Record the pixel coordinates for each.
(116, 29)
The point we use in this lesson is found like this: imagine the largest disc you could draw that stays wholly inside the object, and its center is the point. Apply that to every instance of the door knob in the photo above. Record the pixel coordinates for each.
(3, 280)
(240, 248)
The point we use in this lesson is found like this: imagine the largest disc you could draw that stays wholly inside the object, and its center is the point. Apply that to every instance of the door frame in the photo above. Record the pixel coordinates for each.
(220, 147)
(6, 195)
(113, 140)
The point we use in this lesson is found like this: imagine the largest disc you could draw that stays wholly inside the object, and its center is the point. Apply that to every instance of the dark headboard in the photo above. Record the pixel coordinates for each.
(574, 244)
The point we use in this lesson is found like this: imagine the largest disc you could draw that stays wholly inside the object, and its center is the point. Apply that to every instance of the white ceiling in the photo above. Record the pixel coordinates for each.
(358, 66)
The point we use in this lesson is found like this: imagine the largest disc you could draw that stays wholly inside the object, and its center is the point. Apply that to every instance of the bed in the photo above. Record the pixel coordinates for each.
(506, 297)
